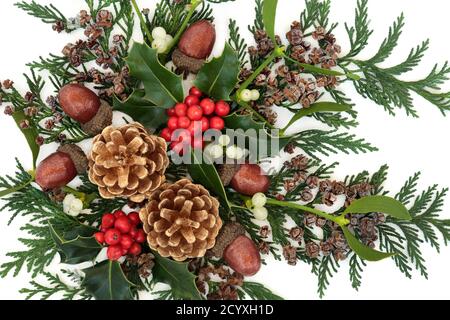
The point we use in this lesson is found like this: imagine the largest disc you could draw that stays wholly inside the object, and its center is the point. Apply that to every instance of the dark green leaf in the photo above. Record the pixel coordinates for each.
(162, 87)
(381, 204)
(141, 110)
(206, 174)
(259, 141)
(78, 250)
(269, 16)
(363, 251)
(177, 276)
(106, 281)
(218, 77)
(30, 135)
(316, 108)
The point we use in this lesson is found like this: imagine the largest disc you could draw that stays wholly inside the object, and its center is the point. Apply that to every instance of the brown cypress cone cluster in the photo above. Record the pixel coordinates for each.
(288, 84)
(113, 82)
(127, 162)
(143, 263)
(298, 184)
(224, 289)
(181, 220)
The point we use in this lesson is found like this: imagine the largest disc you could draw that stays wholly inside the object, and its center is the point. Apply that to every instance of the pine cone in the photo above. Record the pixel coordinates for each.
(181, 220)
(127, 162)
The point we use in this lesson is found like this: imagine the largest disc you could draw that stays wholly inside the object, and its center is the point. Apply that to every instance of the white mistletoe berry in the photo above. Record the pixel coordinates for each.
(255, 95)
(72, 205)
(159, 33)
(259, 200)
(260, 214)
(246, 95)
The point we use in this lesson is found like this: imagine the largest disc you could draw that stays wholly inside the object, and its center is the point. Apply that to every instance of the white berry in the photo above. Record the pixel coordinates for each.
(246, 95)
(159, 44)
(260, 214)
(215, 151)
(259, 200)
(255, 95)
(72, 205)
(159, 33)
(224, 140)
(168, 38)
(234, 152)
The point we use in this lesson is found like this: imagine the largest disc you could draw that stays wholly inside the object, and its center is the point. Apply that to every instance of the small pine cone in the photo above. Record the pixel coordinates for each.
(127, 162)
(181, 220)
(227, 235)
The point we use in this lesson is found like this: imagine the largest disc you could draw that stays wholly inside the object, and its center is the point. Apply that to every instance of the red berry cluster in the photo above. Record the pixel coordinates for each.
(197, 111)
(122, 234)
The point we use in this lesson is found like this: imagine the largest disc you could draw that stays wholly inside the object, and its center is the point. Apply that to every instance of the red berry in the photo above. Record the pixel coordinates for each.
(173, 123)
(135, 249)
(222, 108)
(177, 147)
(181, 109)
(114, 252)
(112, 237)
(166, 134)
(205, 124)
(171, 112)
(191, 100)
(123, 224)
(108, 220)
(133, 232)
(194, 91)
(103, 229)
(126, 241)
(119, 213)
(100, 237)
(208, 106)
(183, 122)
(134, 218)
(140, 236)
(195, 113)
(216, 123)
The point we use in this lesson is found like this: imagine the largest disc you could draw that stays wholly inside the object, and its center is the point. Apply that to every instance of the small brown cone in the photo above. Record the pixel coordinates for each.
(127, 162)
(181, 220)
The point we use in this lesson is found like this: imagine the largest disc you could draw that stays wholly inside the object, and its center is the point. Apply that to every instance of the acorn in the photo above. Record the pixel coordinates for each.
(250, 179)
(238, 251)
(195, 45)
(61, 167)
(85, 107)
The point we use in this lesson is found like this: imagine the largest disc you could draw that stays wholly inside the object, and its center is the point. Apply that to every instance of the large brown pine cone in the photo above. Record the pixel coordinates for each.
(181, 220)
(127, 162)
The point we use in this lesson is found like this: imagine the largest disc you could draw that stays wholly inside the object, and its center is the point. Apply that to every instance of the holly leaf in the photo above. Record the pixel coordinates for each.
(259, 141)
(141, 110)
(316, 108)
(177, 276)
(30, 134)
(218, 77)
(162, 87)
(363, 251)
(106, 281)
(269, 16)
(207, 175)
(383, 204)
(75, 251)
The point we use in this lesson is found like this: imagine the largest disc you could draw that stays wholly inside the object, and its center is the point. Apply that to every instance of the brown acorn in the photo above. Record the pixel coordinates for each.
(61, 167)
(250, 179)
(195, 46)
(238, 251)
(84, 106)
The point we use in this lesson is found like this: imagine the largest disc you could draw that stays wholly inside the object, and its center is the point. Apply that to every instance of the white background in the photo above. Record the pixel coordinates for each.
(406, 144)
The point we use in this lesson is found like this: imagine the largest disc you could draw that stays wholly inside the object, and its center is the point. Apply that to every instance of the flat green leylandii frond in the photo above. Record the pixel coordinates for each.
(382, 84)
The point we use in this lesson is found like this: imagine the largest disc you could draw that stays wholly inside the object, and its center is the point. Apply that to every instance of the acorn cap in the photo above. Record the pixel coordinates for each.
(77, 155)
(100, 121)
(227, 172)
(226, 236)
(186, 63)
